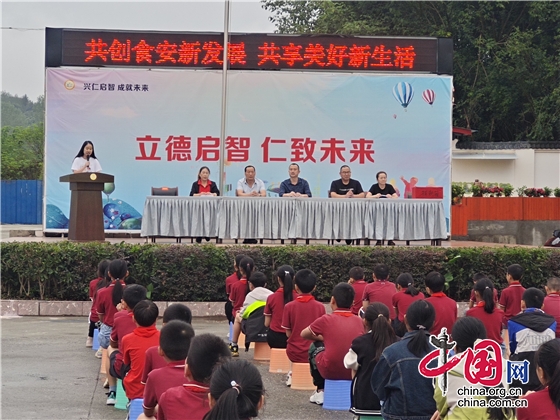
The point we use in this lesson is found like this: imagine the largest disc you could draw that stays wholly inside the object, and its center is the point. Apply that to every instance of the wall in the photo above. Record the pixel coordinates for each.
(22, 202)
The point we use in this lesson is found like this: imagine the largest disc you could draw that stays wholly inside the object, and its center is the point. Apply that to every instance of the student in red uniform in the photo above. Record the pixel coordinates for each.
(476, 277)
(552, 301)
(123, 324)
(175, 311)
(93, 317)
(190, 401)
(545, 404)
(274, 309)
(487, 311)
(298, 315)
(381, 290)
(406, 294)
(239, 290)
(108, 299)
(510, 300)
(134, 346)
(358, 282)
(236, 392)
(231, 280)
(445, 307)
(332, 335)
(174, 343)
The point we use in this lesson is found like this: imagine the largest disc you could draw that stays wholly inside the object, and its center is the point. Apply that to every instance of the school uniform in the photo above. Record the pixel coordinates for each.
(510, 299)
(274, 308)
(93, 316)
(472, 298)
(359, 286)
(186, 402)
(237, 295)
(123, 324)
(540, 407)
(446, 312)
(153, 361)
(402, 300)
(492, 322)
(104, 304)
(134, 347)
(338, 329)
(230, 281)
(160, 380)
(297, 316)
(381, 291)
(551, 306)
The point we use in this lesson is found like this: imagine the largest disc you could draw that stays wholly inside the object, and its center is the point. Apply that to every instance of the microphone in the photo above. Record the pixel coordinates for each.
(87, 157)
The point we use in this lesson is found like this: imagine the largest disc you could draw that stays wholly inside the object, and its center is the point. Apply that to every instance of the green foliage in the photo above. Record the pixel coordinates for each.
(556, 192)
(508, 190)
(457, 190)
(21, 112)
(63, 270)
(506, 54)
(547, 191)
(22, 152)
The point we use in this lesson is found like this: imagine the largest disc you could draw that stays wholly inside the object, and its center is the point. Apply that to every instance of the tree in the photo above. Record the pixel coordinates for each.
(22, 152)
(506, 54)
(21, 112)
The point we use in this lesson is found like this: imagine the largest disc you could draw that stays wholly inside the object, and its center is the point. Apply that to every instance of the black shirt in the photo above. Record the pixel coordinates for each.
(388, 190)
(339, 188)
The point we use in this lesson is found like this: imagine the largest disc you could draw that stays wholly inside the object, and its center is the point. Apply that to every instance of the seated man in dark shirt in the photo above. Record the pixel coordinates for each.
(346, 187)
(294, 186)
(382, 190)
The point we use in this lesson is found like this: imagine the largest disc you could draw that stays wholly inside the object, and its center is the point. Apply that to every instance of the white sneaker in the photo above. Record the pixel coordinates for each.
(317, 397)
(89, 342)
(99, 353)
(289, 379)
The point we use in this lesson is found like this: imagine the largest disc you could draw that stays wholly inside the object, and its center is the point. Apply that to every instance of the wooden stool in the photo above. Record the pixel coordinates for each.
(279, 362)
(301, 377)
(104, 360)
(262, 352)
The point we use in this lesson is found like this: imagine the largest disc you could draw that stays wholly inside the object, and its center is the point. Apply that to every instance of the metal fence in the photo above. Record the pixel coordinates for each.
(22, 202)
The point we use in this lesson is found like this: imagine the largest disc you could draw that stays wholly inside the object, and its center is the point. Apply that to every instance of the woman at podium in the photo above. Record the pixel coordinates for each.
(85, 160)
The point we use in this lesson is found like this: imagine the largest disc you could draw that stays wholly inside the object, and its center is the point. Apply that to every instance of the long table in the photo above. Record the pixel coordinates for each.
(293, 218)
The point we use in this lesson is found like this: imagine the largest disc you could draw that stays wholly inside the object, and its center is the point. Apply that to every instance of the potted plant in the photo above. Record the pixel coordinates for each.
(547, 191)
(508, 190)
(557, 192)
(476, 190)
(457, 193)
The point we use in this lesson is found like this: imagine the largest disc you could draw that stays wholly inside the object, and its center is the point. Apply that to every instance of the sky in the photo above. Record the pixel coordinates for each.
(23, 48)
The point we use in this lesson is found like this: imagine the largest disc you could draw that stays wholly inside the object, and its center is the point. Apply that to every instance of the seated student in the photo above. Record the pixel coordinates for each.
(134, 346)
(258, 293)
(544, 404)
(487, 311)
(236, 391)
(239, 289)
(93, 288)
(175, 311)
(380, 290)
(476, 277)
(123, 324)
(358, 282)
(446, 308)
(299, 314)
(396, 379)
(230, 281)
(406, 294)
(363, 356)
(466, 332)
(527, 331)
(332, 335)
(190, 401)
(174, 343)
(551, 304)
(274, 309)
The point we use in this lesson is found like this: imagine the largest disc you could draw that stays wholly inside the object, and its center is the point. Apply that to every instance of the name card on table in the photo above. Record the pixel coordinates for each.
(427, 192)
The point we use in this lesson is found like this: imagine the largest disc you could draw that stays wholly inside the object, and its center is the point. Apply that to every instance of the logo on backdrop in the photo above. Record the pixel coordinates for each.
(69, 84)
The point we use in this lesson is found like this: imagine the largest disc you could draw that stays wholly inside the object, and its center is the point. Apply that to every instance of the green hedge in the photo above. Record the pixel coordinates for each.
(62, 271)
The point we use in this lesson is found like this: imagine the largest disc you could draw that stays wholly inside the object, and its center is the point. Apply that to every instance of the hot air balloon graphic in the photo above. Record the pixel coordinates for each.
(429, 96)
(403, 93)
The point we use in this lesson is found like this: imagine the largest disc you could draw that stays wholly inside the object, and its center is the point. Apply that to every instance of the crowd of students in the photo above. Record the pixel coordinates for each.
(376, 336)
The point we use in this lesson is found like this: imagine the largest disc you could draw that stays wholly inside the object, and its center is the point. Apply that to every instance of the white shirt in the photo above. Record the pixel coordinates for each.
(258, 186)
(80, 162)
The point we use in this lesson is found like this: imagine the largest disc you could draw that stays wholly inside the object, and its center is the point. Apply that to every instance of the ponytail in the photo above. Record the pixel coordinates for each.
(238, 259)
(406, 281)
(382, 334)
(286, 274)
(105, 278)
(420, 318)
(547, 358)
(246, 266)
(118, 271)
(486, 290)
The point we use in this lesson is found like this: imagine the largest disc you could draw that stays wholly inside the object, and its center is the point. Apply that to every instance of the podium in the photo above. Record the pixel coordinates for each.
(86, 206)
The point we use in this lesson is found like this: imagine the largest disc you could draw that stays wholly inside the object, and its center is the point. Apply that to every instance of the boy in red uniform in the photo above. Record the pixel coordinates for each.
(552, 301)
(476, 277)
(299, 314)
(190, 401)
(135, 344)
(381, 290)
(510, 299)
(174, 343)
(358, 282)
(175, 311)
(446, 308)
(332, 335)
(123, 324)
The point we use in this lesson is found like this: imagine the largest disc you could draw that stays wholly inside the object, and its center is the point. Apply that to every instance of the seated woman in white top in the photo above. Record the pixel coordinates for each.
(85, 160)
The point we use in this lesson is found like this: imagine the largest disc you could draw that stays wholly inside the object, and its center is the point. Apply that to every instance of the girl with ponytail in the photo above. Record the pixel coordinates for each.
(230, 281)
(364, 354)
(485, 309)
(274, 309)
(406, 294)
(94, 286)
(396, 379)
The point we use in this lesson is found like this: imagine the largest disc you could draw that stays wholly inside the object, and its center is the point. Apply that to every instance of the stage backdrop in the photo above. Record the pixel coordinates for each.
(158, 127)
